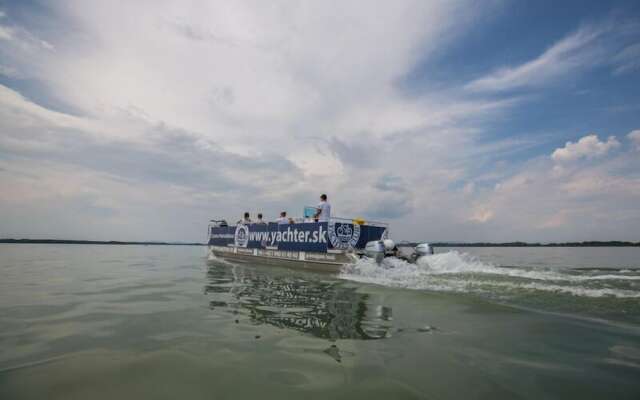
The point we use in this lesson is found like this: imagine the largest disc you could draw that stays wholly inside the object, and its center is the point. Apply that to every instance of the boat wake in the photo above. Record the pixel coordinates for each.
(459, 272)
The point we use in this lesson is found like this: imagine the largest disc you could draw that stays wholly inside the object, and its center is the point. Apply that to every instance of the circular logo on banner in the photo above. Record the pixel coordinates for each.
(343, 236)
(241, 238)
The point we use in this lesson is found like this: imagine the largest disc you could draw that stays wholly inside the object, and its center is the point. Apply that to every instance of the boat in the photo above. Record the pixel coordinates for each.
(306, 243)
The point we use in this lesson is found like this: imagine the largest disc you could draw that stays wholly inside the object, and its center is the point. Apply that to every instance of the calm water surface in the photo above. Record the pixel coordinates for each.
(79, 321)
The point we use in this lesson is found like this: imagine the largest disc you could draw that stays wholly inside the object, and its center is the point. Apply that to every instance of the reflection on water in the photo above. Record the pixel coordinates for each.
(305, 303)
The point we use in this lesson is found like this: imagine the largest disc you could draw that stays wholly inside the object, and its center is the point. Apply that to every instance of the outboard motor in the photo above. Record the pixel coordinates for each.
(379, 249)
(423, 249)
(389, 245)
(411, 253)
(375, 250)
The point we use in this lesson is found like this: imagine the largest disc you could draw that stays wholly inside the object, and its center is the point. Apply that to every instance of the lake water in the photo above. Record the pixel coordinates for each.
(80, 321)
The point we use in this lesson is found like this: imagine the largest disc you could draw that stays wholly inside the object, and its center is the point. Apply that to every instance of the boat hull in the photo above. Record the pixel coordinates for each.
(330, 261)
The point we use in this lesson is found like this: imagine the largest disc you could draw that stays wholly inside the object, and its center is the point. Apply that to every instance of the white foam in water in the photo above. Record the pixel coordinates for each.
(574, 290)
(217, 260)
(454, 262)
(459, 272)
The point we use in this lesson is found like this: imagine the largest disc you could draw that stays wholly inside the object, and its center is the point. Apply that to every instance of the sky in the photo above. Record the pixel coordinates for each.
(450, 120)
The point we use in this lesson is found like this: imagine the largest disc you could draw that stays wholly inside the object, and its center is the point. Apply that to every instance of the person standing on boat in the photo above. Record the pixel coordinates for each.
(283, 218)
(260, 221)
(323, 213)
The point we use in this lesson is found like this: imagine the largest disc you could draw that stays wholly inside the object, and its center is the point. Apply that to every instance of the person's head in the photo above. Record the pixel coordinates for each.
(283, 214)
(259, 215)
(323, 197)
(246, 215)
(291, 221)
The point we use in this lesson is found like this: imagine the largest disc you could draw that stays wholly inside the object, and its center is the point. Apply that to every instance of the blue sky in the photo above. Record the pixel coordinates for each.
(451, 120)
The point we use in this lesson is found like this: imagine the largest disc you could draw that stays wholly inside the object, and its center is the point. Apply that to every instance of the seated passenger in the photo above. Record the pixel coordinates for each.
(283, 218)
(260, 221)
(245, 219)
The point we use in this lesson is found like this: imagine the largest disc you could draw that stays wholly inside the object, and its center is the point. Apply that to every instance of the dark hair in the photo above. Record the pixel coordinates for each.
(260, 215)
(283, 214)
(246, 214)
(323, 196)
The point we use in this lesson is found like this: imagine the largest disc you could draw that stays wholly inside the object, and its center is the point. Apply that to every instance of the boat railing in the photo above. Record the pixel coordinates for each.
(310, 210)
(360, 221)
(300, 220)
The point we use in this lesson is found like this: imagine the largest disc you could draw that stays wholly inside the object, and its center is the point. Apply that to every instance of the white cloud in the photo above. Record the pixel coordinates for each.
(315, 87)
(555, 221)
(20, 43)
(575, 51)
(481, 215)
(627, 60)
(148, 111)
(6, 33)
(592, 201)
(277, 62)
(634, 136)
(587, 147)
(9, 72)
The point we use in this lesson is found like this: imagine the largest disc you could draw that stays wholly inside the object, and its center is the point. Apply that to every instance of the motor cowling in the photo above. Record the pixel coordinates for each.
(423, 249)
(375, 250)
(389, 244)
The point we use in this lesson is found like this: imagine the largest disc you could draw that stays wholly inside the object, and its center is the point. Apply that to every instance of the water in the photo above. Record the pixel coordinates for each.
(165, 322)
(587, 282)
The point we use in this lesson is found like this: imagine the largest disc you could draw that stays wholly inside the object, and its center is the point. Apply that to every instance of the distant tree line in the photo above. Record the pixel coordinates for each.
(64, 241)
(613, 243)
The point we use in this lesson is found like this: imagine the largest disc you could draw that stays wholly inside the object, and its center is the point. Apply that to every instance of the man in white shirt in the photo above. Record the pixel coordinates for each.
(283, 218)
(324, 210)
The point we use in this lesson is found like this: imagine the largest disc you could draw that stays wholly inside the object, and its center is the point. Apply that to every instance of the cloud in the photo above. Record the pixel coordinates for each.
(575, 51)
(391, 183)
(634, 136)
(609, 42)
(150, 153)
(481, 215)
(356, 154)
(227, 106)
(587, 147)
(97, 184)
(389, 206)
(9, 72)
(627, 60)
(140, 120)
(587, 201)
(6, 33)
(20, 41)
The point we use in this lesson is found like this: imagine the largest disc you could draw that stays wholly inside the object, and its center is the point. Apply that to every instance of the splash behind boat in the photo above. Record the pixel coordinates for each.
(314, 245)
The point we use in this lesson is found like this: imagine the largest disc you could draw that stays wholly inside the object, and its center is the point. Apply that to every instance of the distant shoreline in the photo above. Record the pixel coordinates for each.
(436, 244)
(523, 244)
(110, 242)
